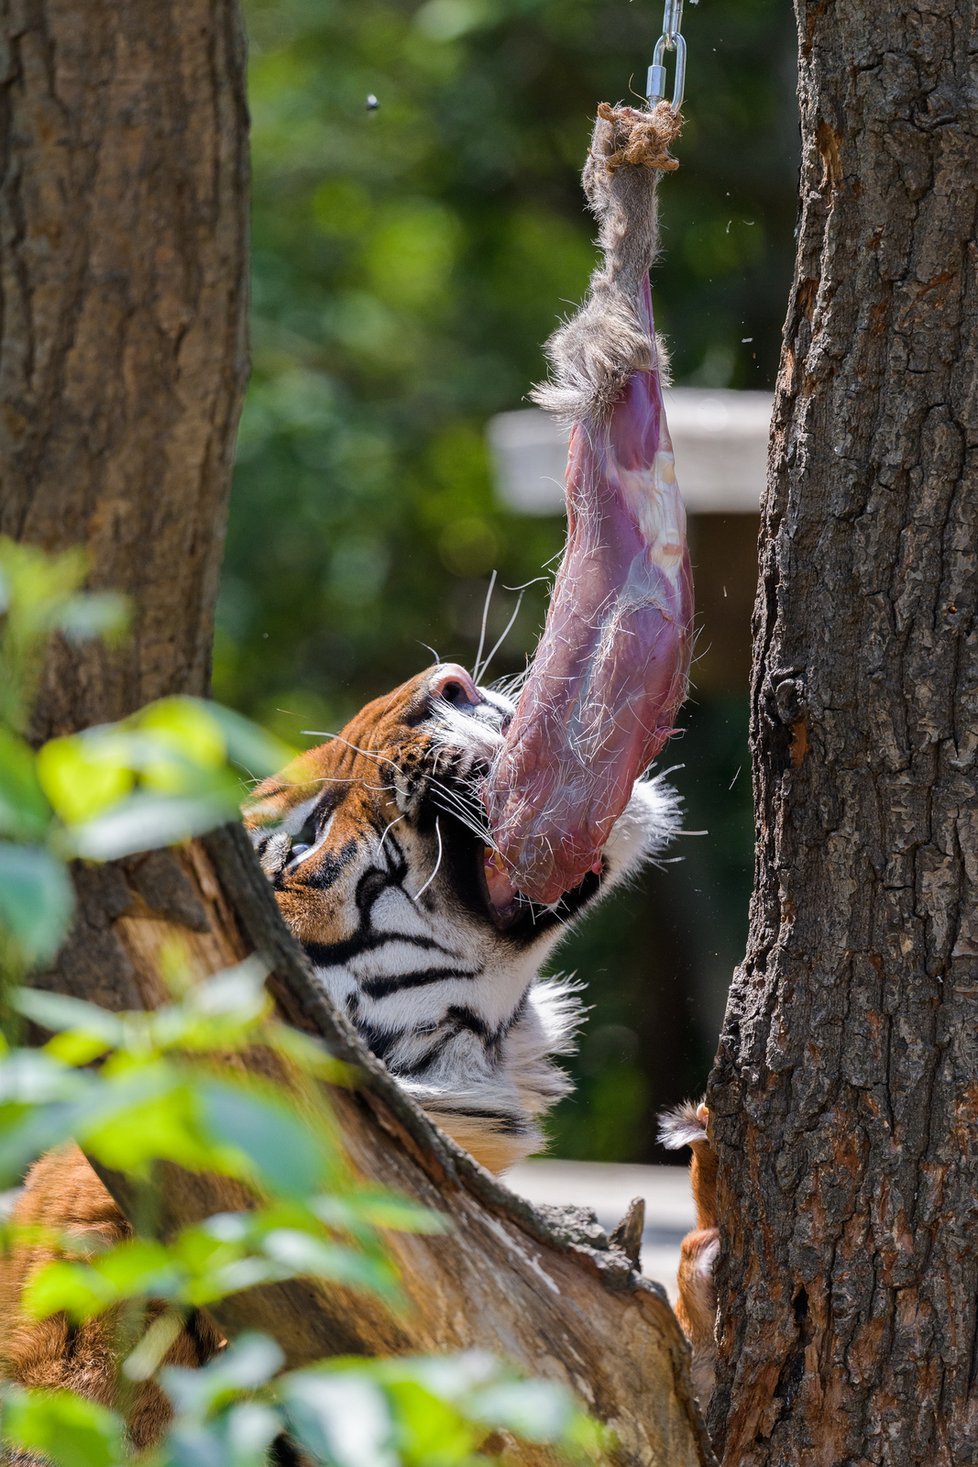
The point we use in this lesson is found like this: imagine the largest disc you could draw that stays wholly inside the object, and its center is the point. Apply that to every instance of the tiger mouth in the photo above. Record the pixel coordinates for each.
(514, 914)
(480, 878)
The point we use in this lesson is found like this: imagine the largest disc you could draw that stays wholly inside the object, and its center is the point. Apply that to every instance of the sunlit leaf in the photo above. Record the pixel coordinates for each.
(103, 614)
(187, 727)
(79, 780)
(24, 812)
(146, 821)
(345, 1421)
(257, 752)
(151, 1115)
(64, 1428)
(431, 1432)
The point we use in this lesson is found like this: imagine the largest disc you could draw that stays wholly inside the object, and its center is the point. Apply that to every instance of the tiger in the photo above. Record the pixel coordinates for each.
(377, 849)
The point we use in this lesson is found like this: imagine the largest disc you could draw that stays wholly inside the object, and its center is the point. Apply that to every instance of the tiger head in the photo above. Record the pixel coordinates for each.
(377, 848)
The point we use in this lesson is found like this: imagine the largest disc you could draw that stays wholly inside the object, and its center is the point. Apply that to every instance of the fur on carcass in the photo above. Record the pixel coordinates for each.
(612, 666)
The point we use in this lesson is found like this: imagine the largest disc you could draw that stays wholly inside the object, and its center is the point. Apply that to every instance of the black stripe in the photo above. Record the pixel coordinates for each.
(383, 987)
(335, 954)
(380, 1042)
(418, 1066)
(505, 1124)
(324, 871)
(464, 1018)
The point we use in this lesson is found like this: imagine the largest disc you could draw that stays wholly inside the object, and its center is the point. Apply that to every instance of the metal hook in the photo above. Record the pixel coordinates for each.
(671, 39)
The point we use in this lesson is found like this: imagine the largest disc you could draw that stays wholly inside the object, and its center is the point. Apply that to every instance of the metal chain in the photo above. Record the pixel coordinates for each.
(671, 39)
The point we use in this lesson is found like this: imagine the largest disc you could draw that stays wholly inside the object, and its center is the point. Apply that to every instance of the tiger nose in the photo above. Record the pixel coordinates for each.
(452, 684)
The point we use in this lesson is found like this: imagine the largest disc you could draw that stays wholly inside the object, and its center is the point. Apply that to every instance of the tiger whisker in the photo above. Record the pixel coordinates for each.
(506, 631)
(472, 825)
(441, 849)
(318, 733)
(455, 803)
(482, 634)
(452, 804)
(396, 821)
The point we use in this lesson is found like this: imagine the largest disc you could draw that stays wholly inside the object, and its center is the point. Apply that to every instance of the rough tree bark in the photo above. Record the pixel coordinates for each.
(845, 1097)
(124, 193)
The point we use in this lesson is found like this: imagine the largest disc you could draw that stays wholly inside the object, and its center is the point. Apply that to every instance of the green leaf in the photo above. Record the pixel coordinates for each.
(249, 1362)
(24, 812)
(257, 752)
(79, 780)
(59, 1011)
(240, 1437)
(431, 1432)
(92, 614)
(288, 1155)
(537, 1410)
(344, 1419)
(238, 992)
(151, 1114)
(299, 1254)
(30, 1077)
(227, 1010)
(77, 1289)
(36, 901)
(147, 821)
(66, 1429)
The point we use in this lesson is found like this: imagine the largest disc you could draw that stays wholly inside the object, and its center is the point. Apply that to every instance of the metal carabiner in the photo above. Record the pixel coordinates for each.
(671, 39)
(655, 88)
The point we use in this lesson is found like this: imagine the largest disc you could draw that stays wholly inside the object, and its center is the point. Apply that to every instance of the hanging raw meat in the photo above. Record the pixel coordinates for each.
(611, 669)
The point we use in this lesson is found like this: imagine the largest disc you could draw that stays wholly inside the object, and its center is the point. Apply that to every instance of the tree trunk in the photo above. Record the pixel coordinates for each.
(123, 148)
(845, 1096)
(123, 348)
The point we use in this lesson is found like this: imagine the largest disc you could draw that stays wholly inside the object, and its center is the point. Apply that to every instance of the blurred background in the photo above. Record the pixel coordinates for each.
(409, 260)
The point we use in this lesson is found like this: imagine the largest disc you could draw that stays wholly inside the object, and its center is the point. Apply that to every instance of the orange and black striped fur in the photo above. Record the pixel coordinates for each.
(376, 847)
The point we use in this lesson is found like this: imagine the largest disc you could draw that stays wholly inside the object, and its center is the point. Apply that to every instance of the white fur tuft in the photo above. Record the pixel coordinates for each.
(682, 1126)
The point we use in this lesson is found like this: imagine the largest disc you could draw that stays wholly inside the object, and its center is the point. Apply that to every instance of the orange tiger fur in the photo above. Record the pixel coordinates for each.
(696, 1308)
(61, 1192)
(375, 845)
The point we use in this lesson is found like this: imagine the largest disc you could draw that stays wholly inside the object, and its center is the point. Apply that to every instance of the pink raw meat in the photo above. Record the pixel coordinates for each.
(611, 669)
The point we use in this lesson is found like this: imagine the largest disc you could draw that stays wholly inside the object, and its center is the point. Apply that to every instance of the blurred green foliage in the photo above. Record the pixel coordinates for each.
(137, 1090)
(408, 263)
(171, 771)
(158, 1095)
